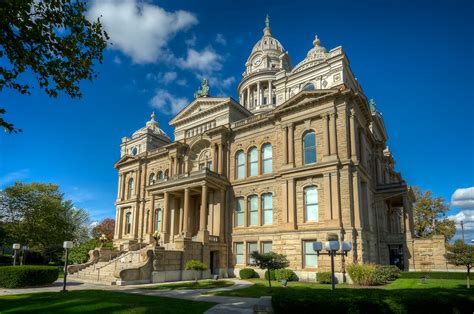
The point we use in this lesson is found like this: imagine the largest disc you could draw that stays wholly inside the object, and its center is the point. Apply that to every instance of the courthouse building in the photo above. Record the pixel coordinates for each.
(300, 156)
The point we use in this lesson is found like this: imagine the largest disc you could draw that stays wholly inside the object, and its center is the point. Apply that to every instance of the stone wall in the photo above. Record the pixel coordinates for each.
(428, 255)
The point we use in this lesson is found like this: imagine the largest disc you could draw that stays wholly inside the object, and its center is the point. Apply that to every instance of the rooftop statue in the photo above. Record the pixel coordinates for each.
(203, 91)
(372, 105)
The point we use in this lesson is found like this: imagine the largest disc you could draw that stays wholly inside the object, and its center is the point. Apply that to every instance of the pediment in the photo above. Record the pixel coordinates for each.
(198, 106)
(125, 159)
(303, 95)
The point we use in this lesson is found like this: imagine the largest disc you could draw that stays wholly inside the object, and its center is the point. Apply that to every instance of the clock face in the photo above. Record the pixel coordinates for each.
(257, 61)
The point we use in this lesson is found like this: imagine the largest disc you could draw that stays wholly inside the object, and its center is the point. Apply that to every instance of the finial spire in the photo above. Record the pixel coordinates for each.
(153, 116)
(267, 21)
(267, 30)
(316, 41)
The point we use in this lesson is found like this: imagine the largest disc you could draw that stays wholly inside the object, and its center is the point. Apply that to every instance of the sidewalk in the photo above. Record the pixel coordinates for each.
(228, 305)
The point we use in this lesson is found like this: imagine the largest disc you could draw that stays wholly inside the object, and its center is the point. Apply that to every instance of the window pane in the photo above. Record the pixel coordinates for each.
(239, 210)
(310, 140)
(311, 195)
(253, 218)
(310, 261)
(240, 172)
(308, 247)
(254, 168)
(239, 248)
(267, 166)
(267, 209)
(267, 217)
(240, 159)
(312, 212)
(267, 247)
(310, 257)
(253, 209)
(267, 158)
(309, 143)
(251, 248)
(309, 156)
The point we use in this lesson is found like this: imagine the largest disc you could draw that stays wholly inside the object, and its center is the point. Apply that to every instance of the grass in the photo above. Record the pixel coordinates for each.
(405, 295)
(97, 301)
(201, 284)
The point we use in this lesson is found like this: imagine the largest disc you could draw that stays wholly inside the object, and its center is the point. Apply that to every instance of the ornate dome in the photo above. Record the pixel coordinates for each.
(314, 56)
(151, 127)
(268, 42)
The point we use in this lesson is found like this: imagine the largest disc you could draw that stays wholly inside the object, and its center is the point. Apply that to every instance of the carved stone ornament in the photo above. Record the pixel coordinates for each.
(203, 91)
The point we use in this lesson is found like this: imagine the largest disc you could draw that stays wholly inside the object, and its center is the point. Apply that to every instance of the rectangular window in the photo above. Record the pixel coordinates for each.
(158, 220)
(253, 210)
(267, 204)
(267, 158)
(311, 203)
(310, 256)
(239, 253)
(266, 247)
(251, 247)
(239, 212)
(253, 160)
(240, 161)
(209, 165)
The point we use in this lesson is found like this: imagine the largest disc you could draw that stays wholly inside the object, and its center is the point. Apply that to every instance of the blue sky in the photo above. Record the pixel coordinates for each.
(413, 57)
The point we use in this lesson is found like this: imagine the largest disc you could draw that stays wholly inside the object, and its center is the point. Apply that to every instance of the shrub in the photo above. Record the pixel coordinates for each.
(246, 273)
(386, 273)
(27, 276)
(272, 275)
(324, 277)
(285, 274)
(362, 274)
(80, 253)
(196, 266)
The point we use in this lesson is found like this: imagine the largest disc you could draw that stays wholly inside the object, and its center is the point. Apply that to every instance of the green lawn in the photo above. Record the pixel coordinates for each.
(405, 295)
(97, 301)
(201, 284)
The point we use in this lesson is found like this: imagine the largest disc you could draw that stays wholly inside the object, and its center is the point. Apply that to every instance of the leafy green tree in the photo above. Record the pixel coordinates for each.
(51, 39)
(461, 254)
(80, 253)
(429, 215)
(37, 215)
(106, 226)
(270, 261)
(196, 266)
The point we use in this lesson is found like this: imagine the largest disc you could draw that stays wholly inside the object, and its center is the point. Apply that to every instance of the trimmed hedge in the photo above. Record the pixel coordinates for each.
(371, 274)
(285, 274)
(27, 276)
(386, 273)
(324, 277)
(246, 273)
(272, 275)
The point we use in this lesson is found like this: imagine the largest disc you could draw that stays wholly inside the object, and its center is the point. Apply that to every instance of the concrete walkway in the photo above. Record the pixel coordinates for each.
(227, 304)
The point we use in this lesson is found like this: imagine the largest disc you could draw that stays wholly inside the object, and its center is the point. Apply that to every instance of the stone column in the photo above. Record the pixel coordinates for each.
(119, 192)
(327, 196)
(356, 195)
(285, 145)
(151, 216)
(326, 134)
(270, 96)
(222, 216)
(124, 182)
(247, 105)
(186, 204)
(120, 223)
(181, 215)
(291, 203)
(220, 159)
(117, 224)
(335, 195)
(291, 148)
(258, 94)
(166, 217)
(353, 135)
(203, 234)
(332, 134)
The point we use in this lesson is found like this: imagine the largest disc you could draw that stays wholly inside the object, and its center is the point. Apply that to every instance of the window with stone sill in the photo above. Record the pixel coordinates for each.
(152, 179)
(253, 209)
(251, 247)
(267, 156)
(267, 206)
(158, 220)
(131, 188)
(128, 223)
(240, 165)
(239, 212)
(311, 204)
(239, 253)
(309, 148)
(266, 247)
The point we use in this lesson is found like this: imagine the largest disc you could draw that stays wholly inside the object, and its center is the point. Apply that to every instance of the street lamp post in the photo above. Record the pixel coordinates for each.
(16, 247)
(66, 245)
(332, 248)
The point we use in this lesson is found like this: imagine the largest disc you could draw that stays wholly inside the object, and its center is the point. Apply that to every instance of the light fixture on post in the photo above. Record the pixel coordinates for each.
(16, 247)
(332, 248)
(66, 245)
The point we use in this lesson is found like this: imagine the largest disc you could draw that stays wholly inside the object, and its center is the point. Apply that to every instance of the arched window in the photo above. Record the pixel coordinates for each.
(166, 173)
(131, 188)
(128, 223)
(309, 86)
(152, 179)
(311, 203)
(253, 210)
(239, 212)
(267, 206)
(267, 156)
(160, 175)
(240, 164)
(253, 162)
(158, 220)
(309, 148)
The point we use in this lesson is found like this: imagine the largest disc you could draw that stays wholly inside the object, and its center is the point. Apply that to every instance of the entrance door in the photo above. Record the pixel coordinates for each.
(214, 261)
(396, 255)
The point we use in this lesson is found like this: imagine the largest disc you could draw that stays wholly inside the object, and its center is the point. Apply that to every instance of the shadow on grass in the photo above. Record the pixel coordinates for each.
(97, 301)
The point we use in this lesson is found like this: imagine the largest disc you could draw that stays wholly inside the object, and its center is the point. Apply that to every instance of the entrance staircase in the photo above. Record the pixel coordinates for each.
(109, 271)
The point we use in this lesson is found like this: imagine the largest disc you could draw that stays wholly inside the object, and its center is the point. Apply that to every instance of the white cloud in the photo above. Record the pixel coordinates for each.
(466, 216)
(139, 29)
(164, 78)
(169, 77)
(220, 39)
(117, 60)
(191, 41)
(14, 176)
(463, 198)
(182, 82)
(204, 61)
(168, 103)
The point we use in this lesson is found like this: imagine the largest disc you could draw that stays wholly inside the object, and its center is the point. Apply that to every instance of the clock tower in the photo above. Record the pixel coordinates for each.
(268, 57)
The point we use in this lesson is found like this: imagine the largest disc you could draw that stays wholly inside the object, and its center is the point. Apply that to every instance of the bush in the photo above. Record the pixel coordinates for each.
(362, 274)
(324, 277)
(246, 273)
(195, 265)
(27, 276)
(285, 274)
(386, 273)
(272, 275)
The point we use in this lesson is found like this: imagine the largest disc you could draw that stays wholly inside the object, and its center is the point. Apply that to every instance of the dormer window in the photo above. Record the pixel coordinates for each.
(134, 151)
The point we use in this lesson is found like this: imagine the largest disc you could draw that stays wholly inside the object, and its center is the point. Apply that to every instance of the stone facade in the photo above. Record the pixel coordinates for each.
(301, 157)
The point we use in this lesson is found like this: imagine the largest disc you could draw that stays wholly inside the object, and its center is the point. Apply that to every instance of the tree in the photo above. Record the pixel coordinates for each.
(430, 216)
(53, 40)
(270, 261)
(80, 254)
(461, 254)
(106, 226)
(37, 215)
(196, 266)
